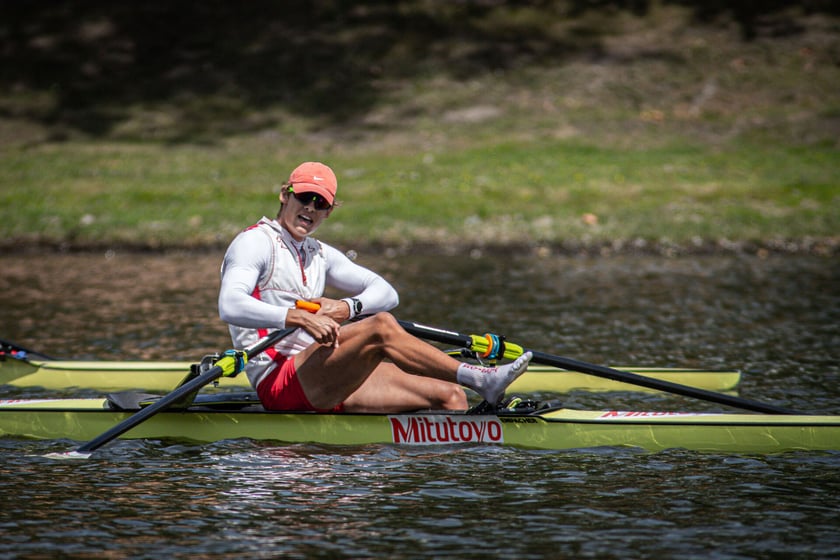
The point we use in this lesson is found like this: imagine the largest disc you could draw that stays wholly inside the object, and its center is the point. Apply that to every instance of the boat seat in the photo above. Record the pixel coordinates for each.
(130, 401)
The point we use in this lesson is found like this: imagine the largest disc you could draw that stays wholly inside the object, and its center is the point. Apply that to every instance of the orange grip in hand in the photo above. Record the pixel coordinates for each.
(310, 306)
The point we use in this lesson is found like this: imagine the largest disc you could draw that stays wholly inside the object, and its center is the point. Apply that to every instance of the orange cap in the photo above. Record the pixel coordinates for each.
(314, 176)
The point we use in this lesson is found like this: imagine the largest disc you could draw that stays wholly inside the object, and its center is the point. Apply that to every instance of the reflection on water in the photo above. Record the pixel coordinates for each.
(248, 498)
(778, 319)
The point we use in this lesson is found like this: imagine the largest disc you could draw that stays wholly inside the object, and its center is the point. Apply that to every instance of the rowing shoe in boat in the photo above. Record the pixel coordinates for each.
(213, 417)
(25, 369)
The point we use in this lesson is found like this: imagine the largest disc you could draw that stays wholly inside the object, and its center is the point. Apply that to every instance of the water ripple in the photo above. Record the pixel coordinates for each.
(777, 319)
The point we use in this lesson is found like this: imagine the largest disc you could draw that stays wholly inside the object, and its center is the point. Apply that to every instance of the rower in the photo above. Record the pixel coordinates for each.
(328, 364)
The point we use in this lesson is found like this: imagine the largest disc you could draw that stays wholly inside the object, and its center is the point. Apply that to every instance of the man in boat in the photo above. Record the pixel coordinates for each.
(328, 364)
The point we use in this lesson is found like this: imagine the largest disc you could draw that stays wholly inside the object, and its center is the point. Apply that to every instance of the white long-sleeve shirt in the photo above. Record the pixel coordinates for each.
(265, 271)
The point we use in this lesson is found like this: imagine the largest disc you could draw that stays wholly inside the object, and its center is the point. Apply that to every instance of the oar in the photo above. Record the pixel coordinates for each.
(17, 351)
(491, 345)
(230, 364)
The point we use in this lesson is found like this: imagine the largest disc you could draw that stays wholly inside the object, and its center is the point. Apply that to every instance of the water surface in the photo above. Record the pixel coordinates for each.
(776, 319)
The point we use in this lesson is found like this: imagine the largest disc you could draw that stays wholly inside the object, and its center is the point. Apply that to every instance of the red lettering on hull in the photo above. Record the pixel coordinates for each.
(635, 414)
(443, 430)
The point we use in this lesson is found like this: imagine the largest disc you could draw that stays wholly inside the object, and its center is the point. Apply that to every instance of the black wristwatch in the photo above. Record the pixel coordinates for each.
(357, 307)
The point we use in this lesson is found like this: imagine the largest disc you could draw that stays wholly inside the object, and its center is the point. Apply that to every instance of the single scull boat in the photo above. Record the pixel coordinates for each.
(184, 414)
(213, 417)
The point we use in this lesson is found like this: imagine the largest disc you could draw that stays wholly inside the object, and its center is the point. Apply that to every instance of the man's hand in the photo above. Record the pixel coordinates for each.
(323, 328)
(336, 309)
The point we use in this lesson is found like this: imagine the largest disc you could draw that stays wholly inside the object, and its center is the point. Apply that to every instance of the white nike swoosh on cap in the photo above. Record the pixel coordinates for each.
(316, 178)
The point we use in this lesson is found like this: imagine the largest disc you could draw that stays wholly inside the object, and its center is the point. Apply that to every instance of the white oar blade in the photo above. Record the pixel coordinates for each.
(68, 455)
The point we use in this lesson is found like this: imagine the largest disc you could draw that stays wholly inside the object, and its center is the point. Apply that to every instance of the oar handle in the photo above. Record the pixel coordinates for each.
(310, 306)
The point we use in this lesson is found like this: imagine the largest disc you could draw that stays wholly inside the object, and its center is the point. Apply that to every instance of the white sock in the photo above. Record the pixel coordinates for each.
(491, 382)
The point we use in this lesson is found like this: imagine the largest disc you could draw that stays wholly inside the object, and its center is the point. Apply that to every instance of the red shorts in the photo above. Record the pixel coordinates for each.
(281, 389)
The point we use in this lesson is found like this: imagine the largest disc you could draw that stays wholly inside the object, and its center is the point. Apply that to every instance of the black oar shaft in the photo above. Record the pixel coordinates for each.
(658, 384)
(436, 335)
(448, 337)
(193, 385)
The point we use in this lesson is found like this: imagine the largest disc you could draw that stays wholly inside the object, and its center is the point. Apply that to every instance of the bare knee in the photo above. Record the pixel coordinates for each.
(385, 322)
(384, 326)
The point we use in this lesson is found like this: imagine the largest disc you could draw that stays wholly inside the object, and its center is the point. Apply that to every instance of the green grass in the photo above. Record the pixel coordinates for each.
(573, 130)
(518, 193)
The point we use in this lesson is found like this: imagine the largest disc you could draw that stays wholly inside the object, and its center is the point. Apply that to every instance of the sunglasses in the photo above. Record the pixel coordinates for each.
(317, 201)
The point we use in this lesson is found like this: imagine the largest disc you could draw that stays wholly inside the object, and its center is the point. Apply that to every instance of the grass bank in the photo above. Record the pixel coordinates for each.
(601, 130)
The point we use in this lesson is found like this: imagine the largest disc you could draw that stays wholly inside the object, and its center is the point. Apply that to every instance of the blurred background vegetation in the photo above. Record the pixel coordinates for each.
(617, 113)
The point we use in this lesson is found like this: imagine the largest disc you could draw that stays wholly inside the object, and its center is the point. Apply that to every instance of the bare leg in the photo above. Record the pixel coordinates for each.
(389, 389)
(330, 375)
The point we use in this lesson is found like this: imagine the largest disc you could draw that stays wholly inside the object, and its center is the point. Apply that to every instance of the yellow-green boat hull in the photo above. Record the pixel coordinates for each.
(84, 419)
